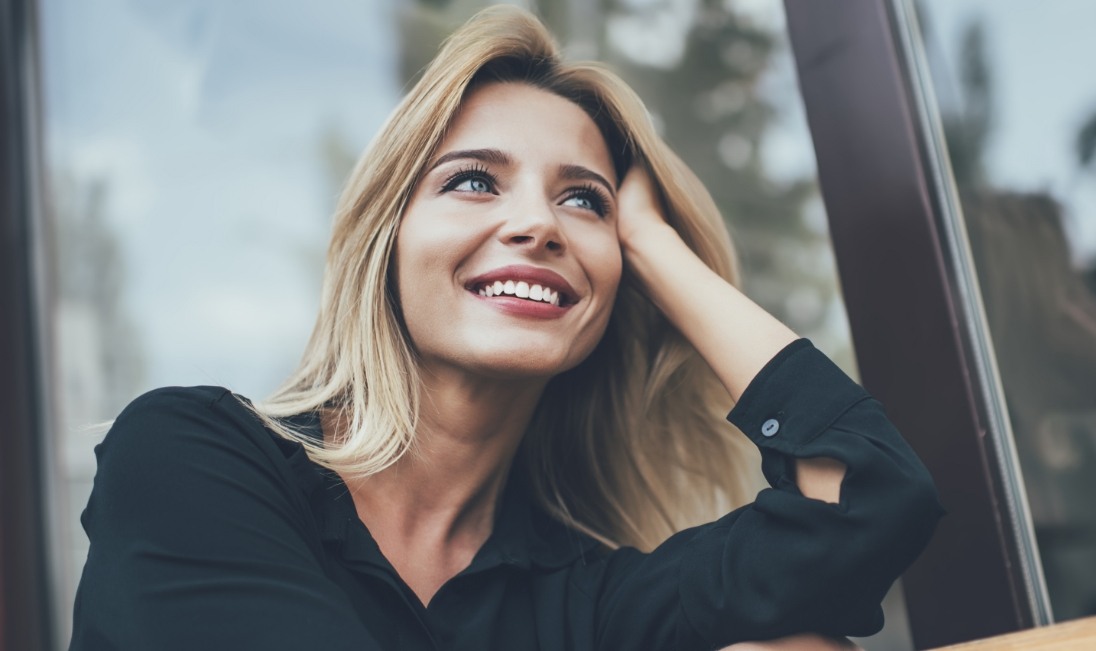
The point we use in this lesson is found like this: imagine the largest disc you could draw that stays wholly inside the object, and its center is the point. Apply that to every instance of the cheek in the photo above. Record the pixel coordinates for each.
(602, 261)
(416, 266)
(426, 246)
(605, 264)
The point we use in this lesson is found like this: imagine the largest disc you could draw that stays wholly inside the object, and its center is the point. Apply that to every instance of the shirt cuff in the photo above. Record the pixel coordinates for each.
(794, 398)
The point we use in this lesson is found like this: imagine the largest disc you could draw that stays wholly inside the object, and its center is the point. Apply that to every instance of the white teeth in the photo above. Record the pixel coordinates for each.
(521, 289)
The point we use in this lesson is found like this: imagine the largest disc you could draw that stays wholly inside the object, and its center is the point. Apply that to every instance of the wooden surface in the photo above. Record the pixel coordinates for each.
(1078, 635)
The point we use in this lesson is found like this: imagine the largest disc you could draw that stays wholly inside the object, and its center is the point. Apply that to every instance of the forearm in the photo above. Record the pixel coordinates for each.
(732, 333)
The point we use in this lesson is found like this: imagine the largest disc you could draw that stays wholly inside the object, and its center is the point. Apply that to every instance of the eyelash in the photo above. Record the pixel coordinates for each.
(597, 197)
(592, 193)
(468, 173)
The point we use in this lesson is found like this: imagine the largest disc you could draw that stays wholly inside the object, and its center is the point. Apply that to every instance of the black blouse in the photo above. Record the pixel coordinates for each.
(210, 533)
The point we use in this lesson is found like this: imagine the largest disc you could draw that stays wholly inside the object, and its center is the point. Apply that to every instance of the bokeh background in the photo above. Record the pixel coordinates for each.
(194, 150)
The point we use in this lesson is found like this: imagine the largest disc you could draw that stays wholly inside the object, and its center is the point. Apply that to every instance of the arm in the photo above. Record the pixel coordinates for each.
(200, 539)
(733, 334)
(785, 564)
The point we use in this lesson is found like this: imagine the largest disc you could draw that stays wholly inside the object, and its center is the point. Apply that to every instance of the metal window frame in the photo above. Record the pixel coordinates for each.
(25, 621)
(915, 310)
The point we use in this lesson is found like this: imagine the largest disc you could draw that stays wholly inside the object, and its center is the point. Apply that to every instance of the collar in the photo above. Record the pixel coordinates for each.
(524, 535)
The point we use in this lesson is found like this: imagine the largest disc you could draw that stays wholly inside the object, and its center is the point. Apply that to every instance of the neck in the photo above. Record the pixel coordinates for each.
(447, 487)
(432, 510)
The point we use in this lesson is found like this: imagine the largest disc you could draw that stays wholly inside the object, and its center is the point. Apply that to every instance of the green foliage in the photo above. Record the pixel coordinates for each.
(1086, 142)
(967, 130)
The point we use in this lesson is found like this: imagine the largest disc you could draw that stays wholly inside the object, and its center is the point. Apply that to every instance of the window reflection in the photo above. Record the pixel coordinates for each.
(195, 148)
(1021, 132)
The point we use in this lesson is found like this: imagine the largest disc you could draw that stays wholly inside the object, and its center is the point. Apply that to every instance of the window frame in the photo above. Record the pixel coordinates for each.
(915, 311)
(25, 620)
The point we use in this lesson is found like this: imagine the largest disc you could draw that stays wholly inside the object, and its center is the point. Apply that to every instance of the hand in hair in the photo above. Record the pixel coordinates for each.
(735, 336)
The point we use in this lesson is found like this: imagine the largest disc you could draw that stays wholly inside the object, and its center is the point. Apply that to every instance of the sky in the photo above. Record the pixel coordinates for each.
(205, 120)
(1041, 56)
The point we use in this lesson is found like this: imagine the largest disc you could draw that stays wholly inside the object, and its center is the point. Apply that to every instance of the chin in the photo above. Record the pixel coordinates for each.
(521, 364)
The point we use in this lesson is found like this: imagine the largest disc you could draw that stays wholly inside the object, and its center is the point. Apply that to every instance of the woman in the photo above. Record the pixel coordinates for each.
(527, 336)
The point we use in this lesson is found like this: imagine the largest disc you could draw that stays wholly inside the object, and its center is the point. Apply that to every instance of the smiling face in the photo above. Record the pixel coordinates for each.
(507, 257)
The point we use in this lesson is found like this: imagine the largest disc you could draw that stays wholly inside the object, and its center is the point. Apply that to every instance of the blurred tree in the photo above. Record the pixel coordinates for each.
(968, 129)
(1086, 142)
(105, 369)
(714, 115)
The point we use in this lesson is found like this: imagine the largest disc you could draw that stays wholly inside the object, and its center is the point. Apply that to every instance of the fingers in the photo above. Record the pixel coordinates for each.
(638, 204)
(804, 642)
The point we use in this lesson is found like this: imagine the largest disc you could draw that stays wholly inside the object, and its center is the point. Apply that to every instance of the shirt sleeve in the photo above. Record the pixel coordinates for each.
(200, 539)
(784, 564)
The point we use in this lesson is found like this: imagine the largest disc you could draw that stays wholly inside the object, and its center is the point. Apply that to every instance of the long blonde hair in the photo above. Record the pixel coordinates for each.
(629, 446)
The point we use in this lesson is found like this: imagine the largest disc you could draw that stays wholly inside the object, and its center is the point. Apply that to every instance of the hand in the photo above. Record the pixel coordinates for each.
(639, 208)
(804, 642)
(733, 334)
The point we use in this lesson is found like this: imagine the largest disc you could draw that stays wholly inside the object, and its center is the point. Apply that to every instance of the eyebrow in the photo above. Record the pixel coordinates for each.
(502, 159)
(580, 173)
(489, 156)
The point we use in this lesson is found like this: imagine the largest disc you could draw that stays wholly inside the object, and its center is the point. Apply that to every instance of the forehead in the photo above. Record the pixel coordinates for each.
(529, 123)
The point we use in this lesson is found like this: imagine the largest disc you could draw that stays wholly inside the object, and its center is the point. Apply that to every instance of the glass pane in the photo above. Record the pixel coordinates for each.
(195, 150)
(1019, 111)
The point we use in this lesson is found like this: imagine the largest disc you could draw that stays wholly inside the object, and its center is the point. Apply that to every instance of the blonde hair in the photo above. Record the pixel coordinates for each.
(629, 446)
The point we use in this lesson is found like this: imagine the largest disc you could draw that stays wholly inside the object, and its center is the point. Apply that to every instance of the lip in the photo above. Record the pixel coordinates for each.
(532, 275)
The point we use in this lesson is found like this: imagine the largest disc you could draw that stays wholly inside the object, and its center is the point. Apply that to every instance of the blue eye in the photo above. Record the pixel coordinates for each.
(473, 185)
(582, 202)
(588, 198)
(475, 180)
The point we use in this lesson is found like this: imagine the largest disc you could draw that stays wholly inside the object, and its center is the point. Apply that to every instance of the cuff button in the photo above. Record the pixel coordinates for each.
(770, 427)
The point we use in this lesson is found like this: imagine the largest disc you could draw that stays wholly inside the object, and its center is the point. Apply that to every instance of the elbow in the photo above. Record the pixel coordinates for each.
(920, 509)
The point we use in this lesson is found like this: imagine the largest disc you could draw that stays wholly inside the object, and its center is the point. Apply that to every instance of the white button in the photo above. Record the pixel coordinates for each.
(770, 427)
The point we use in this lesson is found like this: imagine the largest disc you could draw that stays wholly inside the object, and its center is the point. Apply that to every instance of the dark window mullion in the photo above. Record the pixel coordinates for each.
(24, 606)
(912, 325)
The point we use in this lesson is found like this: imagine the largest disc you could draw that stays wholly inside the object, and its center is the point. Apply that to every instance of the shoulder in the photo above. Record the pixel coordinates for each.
(194, 454)
(171, 427)
(174, 412)
(174, 401)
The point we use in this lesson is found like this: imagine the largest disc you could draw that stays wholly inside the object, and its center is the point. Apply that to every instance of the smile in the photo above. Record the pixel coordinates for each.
(520, 289)
(533, 285)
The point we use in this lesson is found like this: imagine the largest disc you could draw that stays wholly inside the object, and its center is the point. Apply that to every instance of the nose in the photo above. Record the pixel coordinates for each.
(533, 224)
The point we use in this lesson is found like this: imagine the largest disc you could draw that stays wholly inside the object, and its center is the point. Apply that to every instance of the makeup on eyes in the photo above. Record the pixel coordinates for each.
(594, 187)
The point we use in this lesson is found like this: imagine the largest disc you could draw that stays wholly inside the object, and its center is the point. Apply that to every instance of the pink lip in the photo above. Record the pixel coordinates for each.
(531, 275)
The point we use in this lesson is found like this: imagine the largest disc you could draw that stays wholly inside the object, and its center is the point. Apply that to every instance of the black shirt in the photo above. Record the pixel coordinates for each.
(208, 532)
